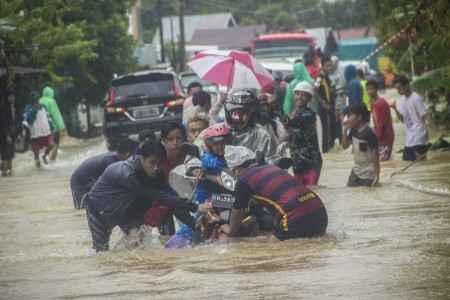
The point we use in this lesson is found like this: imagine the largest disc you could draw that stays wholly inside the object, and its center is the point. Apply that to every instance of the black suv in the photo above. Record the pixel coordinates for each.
(141, 100)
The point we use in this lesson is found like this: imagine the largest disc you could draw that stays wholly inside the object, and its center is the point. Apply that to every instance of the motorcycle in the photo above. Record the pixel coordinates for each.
(222, 198)
(220, 202)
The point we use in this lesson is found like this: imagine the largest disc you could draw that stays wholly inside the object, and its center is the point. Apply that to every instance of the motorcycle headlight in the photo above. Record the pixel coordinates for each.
(228, 181)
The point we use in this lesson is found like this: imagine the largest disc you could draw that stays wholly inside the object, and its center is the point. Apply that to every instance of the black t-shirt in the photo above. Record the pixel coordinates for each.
(366, 135)
(243, 195)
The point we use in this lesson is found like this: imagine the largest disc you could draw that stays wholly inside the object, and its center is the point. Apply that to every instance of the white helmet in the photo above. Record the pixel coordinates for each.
(304, 86)
(238, 155)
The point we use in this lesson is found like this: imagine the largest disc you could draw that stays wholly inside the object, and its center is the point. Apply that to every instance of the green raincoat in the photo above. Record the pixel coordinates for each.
(300, 74)
(48, 100)
(366, 98)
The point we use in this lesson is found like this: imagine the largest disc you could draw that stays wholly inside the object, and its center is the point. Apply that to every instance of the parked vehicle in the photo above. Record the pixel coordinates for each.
(282, 45)
(358, 49)
(187, 77)
(141, 100)
(280, 66)
(277, 52)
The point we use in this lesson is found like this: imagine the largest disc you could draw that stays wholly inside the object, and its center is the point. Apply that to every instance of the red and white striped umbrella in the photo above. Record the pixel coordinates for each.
(234, 69)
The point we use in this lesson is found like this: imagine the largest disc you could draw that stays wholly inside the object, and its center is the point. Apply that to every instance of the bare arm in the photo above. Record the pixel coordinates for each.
(399, 116)
(237, 215)
(216, 107)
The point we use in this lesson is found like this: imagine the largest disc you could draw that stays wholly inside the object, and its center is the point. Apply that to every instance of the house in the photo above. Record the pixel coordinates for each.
(171, 27)
(239, 38)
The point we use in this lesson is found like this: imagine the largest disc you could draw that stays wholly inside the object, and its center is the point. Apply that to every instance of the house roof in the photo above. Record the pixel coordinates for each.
(192, 23)
(228, 38)
(355, 33)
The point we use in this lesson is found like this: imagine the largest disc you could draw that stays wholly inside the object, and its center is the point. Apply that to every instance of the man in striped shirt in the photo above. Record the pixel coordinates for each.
(297, 211)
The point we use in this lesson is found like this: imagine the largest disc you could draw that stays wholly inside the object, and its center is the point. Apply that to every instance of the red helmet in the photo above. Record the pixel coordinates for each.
(216, 133)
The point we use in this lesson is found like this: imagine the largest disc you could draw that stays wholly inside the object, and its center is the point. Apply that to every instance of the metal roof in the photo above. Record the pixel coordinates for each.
(228, 38)
(171, 26)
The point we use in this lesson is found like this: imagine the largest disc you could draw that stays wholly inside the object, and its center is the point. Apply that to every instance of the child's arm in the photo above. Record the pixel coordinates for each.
(212, 163)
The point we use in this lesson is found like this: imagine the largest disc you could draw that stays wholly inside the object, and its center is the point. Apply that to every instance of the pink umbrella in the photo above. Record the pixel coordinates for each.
(234, 69)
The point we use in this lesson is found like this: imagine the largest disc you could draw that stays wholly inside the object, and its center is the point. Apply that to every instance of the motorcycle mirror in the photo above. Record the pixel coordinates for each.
(190, 149)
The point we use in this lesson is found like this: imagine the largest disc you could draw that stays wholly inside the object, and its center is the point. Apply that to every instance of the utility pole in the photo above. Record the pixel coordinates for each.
(173, 59)
(182, 44)
(161, 32)
(411, 56)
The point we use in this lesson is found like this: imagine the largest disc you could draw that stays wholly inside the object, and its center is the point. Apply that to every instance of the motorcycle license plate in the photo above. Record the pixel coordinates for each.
(223, 200)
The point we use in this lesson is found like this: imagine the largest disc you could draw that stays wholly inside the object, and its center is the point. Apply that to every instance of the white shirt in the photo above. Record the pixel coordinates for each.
(412, 110)
(41, 126)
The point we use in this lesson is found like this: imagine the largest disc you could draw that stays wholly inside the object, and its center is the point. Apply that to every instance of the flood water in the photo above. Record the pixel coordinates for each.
(390, 242)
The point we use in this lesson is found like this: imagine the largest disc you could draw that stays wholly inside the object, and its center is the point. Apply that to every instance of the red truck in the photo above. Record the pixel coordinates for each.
(282, 45)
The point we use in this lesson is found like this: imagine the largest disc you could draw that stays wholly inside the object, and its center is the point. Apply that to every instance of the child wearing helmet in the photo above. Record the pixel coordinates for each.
(303, 141)
(213, 162)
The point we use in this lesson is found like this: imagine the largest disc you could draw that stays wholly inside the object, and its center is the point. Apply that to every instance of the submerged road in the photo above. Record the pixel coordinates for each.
(390, 242)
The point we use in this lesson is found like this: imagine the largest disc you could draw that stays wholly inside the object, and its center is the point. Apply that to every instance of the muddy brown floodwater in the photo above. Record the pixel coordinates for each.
(390, 242)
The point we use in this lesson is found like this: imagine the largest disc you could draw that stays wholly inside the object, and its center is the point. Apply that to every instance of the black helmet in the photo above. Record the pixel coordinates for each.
(240, 101)
(242, 97)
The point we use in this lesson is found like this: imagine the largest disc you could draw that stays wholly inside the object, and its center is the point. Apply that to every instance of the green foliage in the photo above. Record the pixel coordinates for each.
(427, 36)
(173, 55)
(81, 44)
(428, 31)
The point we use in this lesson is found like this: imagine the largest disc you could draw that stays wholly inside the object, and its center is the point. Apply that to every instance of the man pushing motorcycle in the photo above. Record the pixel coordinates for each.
(297, 211)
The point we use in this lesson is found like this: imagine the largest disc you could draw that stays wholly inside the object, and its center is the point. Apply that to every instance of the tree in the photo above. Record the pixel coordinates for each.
(81, 44)
(421, 42)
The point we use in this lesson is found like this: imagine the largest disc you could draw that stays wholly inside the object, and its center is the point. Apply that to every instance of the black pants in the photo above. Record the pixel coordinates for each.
(101, 229)
(410, 153)
(56, 137)
(310, 225)
(78, 199)
(6, 150)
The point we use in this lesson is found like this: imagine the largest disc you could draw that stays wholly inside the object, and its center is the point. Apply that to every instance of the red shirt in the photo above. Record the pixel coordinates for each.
(174, 159)
(381, 114)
